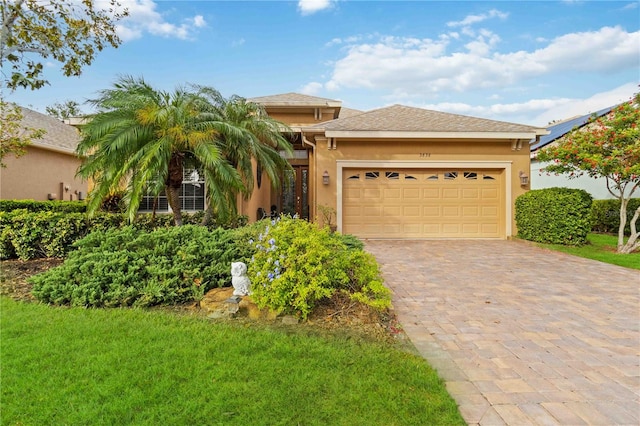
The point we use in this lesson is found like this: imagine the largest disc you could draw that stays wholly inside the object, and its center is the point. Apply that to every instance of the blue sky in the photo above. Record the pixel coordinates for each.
(524, 62)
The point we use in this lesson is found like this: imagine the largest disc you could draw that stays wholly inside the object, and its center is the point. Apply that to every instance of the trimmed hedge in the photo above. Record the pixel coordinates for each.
(28, 235)
(605, 215)
(554, 215)
(41, 206)
(133, 267)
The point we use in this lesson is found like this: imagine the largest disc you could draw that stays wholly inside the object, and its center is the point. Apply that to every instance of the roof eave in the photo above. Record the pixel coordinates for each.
(53, 148)
(386, 134)
(294, 104)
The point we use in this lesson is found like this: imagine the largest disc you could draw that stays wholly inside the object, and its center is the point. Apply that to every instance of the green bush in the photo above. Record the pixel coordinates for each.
(131, 267)
(43, 234)
(351, 241)
(605, 215)
(49, 233)
(554, 215)
(40, 206)
(296, 265)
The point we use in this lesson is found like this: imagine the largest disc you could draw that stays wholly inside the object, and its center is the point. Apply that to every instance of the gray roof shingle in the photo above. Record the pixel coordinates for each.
(400, 118)
(58, 136)
(294, 99)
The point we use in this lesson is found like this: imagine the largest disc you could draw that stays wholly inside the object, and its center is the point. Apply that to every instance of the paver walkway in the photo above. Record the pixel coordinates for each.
(521, 335)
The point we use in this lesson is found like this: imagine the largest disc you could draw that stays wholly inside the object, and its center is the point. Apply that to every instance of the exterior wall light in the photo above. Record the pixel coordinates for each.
(325, 178)
(524, 178)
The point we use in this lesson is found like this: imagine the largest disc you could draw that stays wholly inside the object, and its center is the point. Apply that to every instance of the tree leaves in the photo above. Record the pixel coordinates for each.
(67, 31)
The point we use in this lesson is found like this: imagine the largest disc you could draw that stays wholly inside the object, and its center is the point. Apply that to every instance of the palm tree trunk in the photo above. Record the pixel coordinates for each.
(173, 197)
(208, 214)
(173, 185)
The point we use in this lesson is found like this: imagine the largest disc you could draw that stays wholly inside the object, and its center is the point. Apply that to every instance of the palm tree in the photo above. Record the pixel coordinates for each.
(261, 139)
(141, 138)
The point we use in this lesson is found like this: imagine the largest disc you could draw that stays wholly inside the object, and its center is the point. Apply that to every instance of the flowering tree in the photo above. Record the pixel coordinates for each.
(609, 147)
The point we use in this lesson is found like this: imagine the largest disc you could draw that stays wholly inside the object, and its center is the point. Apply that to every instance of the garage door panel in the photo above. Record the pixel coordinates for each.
(392, 211)
(471, 229)
(450, 211)
(452, 193)
(371, 211)
(489, 228)
(352, 194)
(411, 193)
(470, 211)
(372, 193)
(388, 203)
(451, 228)
(431, 211)
(490, 193)
(391, 194)
(411, 211)
(489, 211)
(433, 193)
(471, 193)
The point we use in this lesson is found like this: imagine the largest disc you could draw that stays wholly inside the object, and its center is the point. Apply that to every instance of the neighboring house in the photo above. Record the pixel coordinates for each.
(398, 172)
(48, 170)
(540, 179)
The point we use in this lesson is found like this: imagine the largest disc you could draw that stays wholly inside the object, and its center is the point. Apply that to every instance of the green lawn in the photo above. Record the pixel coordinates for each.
(601, 247)
(127, 366)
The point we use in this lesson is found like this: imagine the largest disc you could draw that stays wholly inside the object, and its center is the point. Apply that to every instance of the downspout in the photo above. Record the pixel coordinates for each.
(305, 141)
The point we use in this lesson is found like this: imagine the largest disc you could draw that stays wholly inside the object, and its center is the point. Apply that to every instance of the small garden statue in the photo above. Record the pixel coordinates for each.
(239, 279)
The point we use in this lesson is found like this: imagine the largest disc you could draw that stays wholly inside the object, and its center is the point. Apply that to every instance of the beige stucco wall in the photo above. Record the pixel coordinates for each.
(38, 173)
(423, 151)
(260, 198)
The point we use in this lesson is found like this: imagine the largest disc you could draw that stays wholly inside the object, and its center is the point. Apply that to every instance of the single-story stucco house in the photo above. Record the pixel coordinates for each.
(48, 169)
(540, 179)
(393, 172)
(399, 171)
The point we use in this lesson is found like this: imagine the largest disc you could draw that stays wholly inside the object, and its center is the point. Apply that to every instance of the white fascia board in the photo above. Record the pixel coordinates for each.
(428, 135)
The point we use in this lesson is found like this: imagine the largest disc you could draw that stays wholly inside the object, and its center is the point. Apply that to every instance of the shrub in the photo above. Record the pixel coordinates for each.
(50, 233)
(296, 265)
(39, 206)
(130, 267)
(554, 215)
(351, 241)
(605, 215)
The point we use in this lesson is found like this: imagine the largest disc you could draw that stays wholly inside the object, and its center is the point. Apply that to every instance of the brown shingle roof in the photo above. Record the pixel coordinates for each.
(349, 112)
(58, 136)
(294, 99)
(399, 118)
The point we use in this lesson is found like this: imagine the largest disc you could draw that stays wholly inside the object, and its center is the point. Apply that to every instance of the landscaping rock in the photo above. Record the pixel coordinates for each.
(221, 303)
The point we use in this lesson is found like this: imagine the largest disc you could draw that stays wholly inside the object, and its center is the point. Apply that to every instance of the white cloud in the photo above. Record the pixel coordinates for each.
(538, 112)
(198, 21)
(312, 88)
(238, 42)
(630, 6)
(577, 107)
(427, 67)
(309, 7)
(474, 19)
(144, 18)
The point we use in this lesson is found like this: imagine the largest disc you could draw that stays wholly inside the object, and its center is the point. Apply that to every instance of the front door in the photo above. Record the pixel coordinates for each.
(295, 193)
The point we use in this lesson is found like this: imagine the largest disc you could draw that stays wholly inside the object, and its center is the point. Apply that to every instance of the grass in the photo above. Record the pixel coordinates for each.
(128, 366)
(601, 247)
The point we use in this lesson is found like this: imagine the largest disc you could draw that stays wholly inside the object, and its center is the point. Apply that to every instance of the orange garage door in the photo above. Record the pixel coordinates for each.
(425, 203)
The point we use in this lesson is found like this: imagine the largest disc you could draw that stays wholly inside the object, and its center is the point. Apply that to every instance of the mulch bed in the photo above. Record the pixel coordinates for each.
(337, 315)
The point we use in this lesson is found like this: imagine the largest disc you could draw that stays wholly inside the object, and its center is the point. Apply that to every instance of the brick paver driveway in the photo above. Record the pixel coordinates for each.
(521, 335)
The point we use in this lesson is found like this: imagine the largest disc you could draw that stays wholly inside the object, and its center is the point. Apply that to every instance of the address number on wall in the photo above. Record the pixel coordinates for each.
(425, 154)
